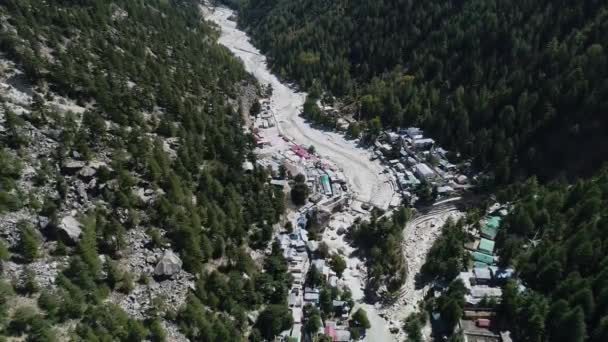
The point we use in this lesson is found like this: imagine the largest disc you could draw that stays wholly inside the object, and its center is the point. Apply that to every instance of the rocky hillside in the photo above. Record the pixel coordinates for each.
(124, 210)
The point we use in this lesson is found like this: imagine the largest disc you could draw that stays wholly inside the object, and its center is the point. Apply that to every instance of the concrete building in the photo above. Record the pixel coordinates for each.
(423, 143)
(445, 190)
(392, 137)
(482, 275)
(423, 171)
(414, 132)
(311, 296)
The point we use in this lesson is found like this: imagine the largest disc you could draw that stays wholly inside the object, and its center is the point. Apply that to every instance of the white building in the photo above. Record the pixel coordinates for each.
(423, 171)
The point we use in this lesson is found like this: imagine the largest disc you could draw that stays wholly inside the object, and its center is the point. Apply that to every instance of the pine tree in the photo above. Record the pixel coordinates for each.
(29, 242)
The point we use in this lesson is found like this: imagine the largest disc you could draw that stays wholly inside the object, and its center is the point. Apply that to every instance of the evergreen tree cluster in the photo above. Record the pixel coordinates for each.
(556, 237)
(501, 81)
(380, 242)
(447, 257)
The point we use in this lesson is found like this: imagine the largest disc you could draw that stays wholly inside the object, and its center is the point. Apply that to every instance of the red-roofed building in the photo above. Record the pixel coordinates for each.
(301, 152)
(331, 332)
(483, 323)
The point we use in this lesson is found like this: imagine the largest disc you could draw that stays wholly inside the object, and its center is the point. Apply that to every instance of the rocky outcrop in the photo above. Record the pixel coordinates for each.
(168, 265)
(142, 260)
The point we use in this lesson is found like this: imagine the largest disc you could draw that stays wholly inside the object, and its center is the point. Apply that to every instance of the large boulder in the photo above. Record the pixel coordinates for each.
(87, 172)
(70, 229)
(72, 166)
(168, 265)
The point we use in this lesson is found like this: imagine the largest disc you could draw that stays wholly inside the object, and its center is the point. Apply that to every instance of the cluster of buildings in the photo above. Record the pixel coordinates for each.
(328, 191)
(415, 159)
(324, 180)
(484, 282)
(302, 254)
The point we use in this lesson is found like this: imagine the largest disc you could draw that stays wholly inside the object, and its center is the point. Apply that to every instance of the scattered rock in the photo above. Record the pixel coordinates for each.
(72, 166)
(82, 192)
(87, 172)
(43, 221)
(70, 228)
(92, 184)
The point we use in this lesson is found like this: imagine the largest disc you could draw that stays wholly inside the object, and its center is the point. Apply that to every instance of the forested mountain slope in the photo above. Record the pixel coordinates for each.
(519, 85)
(120, 142)
(557, 237)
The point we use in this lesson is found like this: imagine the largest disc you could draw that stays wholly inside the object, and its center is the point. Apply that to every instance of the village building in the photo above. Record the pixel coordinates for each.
(490, 228)
(482, 275)
(478, 331)
(414, 132)
(311, 296)
(424, 172)
(482, 259)
(391, 137)
(423, 143)
(338, 333)
(445, 190)
(486, 246)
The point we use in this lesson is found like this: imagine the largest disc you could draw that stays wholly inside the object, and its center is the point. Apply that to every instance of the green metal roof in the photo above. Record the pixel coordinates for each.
(481, 257)
(490, 229)
(493, 222)
(486, 246)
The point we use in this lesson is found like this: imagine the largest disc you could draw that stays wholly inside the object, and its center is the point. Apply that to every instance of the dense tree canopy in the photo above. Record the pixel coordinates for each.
(556, 237)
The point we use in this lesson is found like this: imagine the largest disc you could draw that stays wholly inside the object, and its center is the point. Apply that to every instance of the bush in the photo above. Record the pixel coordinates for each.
(29, 242)
(360, 320)
(157, 333)
(29, 285)
(4, 252)
(273, 320)
(22, 318)
(338, 264)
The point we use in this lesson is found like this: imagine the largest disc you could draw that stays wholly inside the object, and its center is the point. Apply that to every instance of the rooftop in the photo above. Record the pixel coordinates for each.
(486, 246)
(482, 273)
(474, 333)
(490, 229)
(483, 258)
(424, 170)
(424, 141)
(480, 291)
